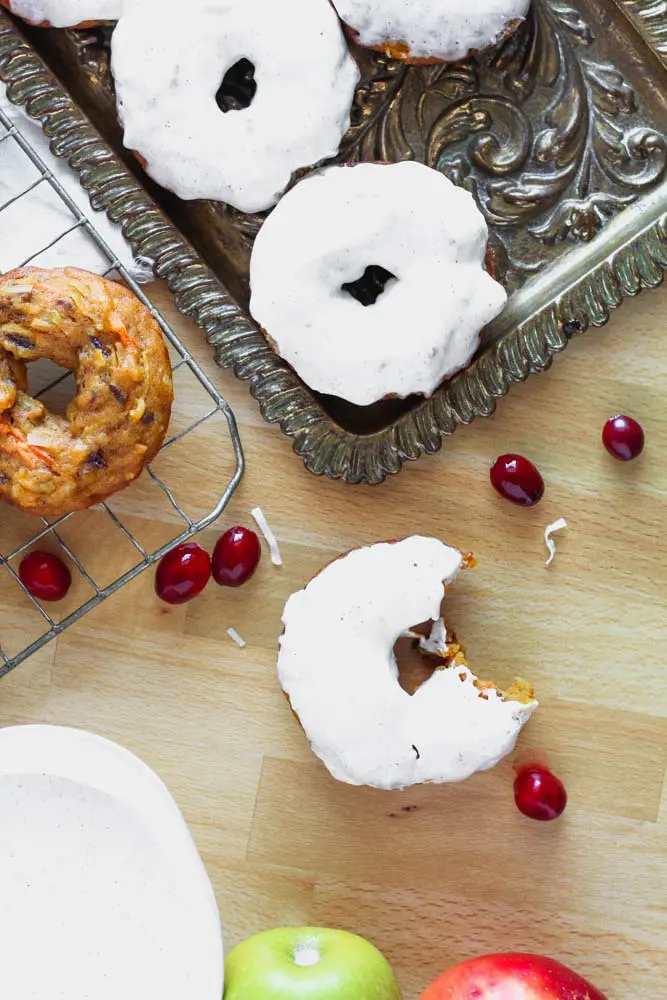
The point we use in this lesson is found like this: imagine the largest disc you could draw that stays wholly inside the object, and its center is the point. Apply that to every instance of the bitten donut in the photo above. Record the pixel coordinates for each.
(337, 666)
(430, 30)
(169, 69)
(409, 220)
(65, 13)
(114, 426)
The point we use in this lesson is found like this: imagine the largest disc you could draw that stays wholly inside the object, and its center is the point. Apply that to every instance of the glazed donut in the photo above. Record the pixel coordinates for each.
(337, 666)
(426, 31)
(51, 465)
(403, 217)
(168, 71)
(65, 13)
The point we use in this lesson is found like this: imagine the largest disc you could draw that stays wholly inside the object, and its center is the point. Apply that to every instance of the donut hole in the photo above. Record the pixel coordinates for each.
(52, 385)
(369, 287)
(416, 664)
(238, 87)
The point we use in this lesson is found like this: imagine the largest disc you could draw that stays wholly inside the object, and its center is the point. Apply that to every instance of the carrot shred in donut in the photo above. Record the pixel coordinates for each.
(27, 451)
(43, 454)
(126, 340)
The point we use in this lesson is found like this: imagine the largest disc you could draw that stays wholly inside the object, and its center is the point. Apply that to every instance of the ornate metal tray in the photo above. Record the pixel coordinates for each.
(560, 133)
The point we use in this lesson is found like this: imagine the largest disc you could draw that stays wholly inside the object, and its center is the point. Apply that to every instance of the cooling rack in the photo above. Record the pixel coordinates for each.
(137, 506)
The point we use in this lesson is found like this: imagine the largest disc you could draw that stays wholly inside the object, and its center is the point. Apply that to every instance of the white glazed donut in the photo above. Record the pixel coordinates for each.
(430, 30)
(337, 666)
(410, 220)
(65, 13)
(168, 70)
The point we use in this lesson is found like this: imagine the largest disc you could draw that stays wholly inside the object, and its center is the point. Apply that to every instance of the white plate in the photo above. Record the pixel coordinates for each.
(102, 892)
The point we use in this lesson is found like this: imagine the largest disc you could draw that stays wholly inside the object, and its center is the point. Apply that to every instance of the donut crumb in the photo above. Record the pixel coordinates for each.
(520, 690)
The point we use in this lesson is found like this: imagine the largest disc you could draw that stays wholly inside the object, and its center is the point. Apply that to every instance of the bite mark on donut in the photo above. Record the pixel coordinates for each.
(438, 648)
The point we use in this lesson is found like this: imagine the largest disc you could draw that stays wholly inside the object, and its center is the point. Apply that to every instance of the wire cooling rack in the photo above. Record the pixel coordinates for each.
(99, 534)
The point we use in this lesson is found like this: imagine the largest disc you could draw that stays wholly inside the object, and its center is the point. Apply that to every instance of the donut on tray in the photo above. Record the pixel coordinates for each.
(337, 666)
(422, 231)
(427, 31)
(97, 329)
(65, 13)
(168, 71)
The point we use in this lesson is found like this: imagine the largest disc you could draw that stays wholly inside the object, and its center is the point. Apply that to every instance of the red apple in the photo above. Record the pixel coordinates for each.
(511, 977)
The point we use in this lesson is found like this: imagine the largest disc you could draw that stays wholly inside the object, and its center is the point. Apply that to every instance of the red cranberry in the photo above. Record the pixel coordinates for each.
(539, 794)
(517, 479)
(236, 557)
(182, 573)
(623, 438)
(45, 576)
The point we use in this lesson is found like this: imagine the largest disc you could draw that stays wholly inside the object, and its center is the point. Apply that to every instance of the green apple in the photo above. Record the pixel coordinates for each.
(308, 963)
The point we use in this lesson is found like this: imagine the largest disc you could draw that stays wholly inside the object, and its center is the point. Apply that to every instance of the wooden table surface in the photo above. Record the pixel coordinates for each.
(432, 874)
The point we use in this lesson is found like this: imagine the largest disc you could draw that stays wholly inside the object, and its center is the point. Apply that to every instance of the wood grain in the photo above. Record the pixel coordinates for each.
(434, 874)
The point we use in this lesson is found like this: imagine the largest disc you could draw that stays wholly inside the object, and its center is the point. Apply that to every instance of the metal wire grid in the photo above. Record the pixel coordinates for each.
(218, 405)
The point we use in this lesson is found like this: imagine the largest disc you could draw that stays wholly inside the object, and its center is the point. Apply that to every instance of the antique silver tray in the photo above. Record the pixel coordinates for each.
(560, 133)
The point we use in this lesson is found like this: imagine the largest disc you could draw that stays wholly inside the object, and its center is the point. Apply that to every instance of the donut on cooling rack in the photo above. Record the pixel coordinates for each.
(419, 237)
(428, 31)
(337, 666)
(65, 13)
(97, 329)
(168, 73)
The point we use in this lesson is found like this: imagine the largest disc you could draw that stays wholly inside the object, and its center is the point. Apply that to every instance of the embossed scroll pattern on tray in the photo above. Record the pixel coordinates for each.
(553, 141)
(544, 134)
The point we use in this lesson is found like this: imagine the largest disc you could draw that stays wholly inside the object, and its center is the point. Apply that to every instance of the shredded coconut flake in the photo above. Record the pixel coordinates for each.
(263, 526)
(41, 439)
(235, 637)
(436, 642)
(548, 540)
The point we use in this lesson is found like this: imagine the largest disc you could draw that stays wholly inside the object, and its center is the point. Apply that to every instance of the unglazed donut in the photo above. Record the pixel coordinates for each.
(411, 221)
(337, 666)
(65, 13)
(52, 465)
(430, 30)
(168, 71)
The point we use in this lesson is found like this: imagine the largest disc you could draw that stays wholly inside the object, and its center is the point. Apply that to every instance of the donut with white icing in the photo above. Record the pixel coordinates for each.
(426, 31)
(337, 666)
(65, 13)
(404, 217)
(168, 71)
